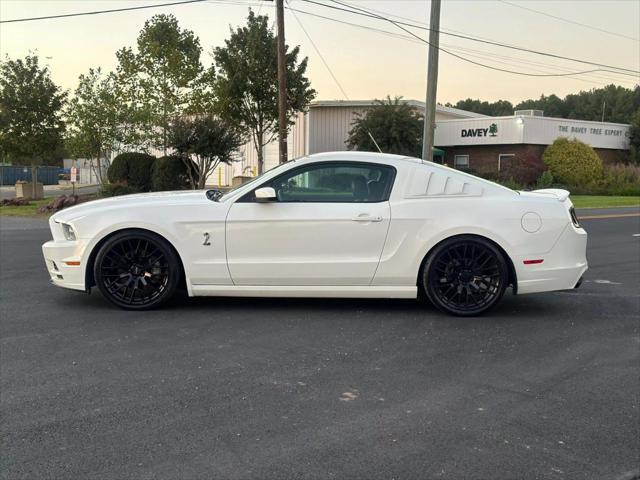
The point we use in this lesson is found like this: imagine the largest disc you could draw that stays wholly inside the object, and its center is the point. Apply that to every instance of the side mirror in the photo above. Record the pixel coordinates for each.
(265, 194)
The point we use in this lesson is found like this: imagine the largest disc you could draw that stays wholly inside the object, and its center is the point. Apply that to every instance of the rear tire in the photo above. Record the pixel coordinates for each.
(465, 276)
(137, 270)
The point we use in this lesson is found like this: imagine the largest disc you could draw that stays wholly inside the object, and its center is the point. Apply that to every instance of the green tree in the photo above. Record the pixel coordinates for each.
(204, 142)
(31, 125)
(495, 109)
(572, 162)
(553, 106)
(162, 73)
(395, 126)
(618, 104)
(97, 119)
(246, 85)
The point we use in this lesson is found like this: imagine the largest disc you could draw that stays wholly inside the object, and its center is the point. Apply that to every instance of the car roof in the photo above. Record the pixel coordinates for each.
(360, 157)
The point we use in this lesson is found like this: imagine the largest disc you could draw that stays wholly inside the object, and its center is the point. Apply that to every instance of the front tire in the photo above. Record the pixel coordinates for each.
(465, 276)
(137, 270)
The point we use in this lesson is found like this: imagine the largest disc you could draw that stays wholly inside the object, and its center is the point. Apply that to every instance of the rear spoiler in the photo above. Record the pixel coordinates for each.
(559, 193)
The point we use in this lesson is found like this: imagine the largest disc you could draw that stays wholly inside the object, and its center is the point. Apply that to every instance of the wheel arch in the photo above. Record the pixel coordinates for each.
(89, 273)
(513, 279)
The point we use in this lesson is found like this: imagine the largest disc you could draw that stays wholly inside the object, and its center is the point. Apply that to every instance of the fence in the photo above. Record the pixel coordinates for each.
(10, 174)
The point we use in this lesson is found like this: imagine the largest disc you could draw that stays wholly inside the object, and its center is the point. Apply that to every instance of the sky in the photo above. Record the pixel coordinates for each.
(367, 64)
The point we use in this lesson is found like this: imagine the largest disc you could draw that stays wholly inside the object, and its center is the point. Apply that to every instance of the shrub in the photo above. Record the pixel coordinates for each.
(620, 180)
(572, 162)
(116, 189)
(546, 180)
(133, 170)
(170, 173)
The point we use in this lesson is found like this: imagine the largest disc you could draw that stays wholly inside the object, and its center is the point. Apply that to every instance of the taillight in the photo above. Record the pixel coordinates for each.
(574, 217)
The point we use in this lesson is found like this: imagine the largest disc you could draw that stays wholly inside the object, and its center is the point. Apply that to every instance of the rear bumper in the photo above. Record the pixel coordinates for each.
(562, 268)
(64, 264)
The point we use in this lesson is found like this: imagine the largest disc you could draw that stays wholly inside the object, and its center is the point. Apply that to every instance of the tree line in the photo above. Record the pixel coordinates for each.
(161, 96)
(613, 103)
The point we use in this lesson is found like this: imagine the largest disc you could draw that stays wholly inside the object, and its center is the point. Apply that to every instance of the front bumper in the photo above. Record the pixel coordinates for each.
(64, 263)
(562, 268)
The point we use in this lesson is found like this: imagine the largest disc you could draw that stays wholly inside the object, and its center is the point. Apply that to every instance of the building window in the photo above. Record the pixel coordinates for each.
(461, 161)
(504, 159)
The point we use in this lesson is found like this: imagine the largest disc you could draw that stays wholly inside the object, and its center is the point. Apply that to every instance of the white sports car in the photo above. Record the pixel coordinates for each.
(344, 224)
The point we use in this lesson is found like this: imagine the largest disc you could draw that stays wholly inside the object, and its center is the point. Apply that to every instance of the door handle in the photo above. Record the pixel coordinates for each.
(363, 217)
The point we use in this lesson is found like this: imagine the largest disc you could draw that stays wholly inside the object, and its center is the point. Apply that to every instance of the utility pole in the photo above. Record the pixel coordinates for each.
(432, 82)
(282, 86)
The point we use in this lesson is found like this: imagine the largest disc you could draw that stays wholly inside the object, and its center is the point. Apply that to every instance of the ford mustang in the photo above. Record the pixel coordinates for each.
(344, 224)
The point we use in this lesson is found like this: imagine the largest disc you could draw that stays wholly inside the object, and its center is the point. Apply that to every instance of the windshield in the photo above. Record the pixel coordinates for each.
(250, 182)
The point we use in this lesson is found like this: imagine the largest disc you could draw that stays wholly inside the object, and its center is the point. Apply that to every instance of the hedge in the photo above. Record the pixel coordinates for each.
(170, 173)
(133, 170)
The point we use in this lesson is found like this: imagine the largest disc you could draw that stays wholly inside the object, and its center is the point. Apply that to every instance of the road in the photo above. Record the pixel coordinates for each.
(546, 386)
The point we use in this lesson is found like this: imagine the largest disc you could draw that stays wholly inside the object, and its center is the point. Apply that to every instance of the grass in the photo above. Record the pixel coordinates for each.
(604, 201)
(30, 210)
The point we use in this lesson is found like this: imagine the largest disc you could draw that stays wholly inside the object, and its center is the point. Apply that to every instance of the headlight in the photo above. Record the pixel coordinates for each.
(68, 232)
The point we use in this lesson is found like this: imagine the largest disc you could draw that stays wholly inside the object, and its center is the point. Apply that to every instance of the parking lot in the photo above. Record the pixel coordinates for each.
(546, 386)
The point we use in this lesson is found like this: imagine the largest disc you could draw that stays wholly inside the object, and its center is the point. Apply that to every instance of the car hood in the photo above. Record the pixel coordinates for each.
(154, 199)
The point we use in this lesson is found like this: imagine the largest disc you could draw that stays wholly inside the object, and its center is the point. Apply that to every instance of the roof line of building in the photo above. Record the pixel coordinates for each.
(536, 118)
(413, 103)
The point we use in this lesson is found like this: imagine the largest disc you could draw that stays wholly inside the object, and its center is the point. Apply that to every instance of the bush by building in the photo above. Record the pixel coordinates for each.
(573, 163)
(170, 173)
(133, 170)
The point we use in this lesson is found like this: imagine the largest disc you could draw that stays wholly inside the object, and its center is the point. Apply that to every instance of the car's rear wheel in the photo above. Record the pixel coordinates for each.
(137, 270)
(465, 276)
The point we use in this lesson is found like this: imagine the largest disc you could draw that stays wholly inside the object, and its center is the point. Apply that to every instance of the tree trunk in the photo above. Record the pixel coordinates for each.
(100, 177)
(202, 181)
(260, 137)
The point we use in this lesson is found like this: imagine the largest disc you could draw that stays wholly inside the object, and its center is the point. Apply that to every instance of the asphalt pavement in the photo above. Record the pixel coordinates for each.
(545, 386)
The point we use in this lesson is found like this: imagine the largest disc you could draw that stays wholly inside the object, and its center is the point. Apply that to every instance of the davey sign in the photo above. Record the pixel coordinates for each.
(492, 131)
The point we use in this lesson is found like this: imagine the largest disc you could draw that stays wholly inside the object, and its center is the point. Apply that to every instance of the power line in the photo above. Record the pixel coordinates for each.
(335, 79)
(483, 54)
(460, 57)
(567, 20)
(98, 12)
(315, 47)
(369, 14)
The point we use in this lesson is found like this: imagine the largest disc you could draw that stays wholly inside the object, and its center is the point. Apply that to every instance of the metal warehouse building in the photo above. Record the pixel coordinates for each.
(324, 128)
(469, 140)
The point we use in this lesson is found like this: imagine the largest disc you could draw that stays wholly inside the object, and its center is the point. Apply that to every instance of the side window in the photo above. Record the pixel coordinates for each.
(504, 159)
(364, 183)
(461, 161)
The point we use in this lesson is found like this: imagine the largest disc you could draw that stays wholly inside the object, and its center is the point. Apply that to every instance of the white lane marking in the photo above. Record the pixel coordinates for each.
(636, 235)
(606, 282)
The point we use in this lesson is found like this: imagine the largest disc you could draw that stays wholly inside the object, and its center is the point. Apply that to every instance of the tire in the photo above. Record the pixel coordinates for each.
(465, 276)
(137, 270)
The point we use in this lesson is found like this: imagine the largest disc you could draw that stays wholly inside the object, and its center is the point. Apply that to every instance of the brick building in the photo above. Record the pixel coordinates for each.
(491, 144)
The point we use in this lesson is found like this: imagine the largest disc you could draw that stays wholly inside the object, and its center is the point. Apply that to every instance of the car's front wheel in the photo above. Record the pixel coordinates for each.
(465, 276)
(137, 270)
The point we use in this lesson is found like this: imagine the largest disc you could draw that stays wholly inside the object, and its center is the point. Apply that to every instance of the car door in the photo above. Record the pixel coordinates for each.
(326, 226)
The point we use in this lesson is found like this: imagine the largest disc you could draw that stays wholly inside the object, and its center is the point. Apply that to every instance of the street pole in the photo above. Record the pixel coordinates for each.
(432, 82)
(282, 86)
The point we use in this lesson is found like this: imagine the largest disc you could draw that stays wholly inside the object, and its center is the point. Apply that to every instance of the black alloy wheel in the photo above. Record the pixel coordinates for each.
(465, 276)
(137, 270)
